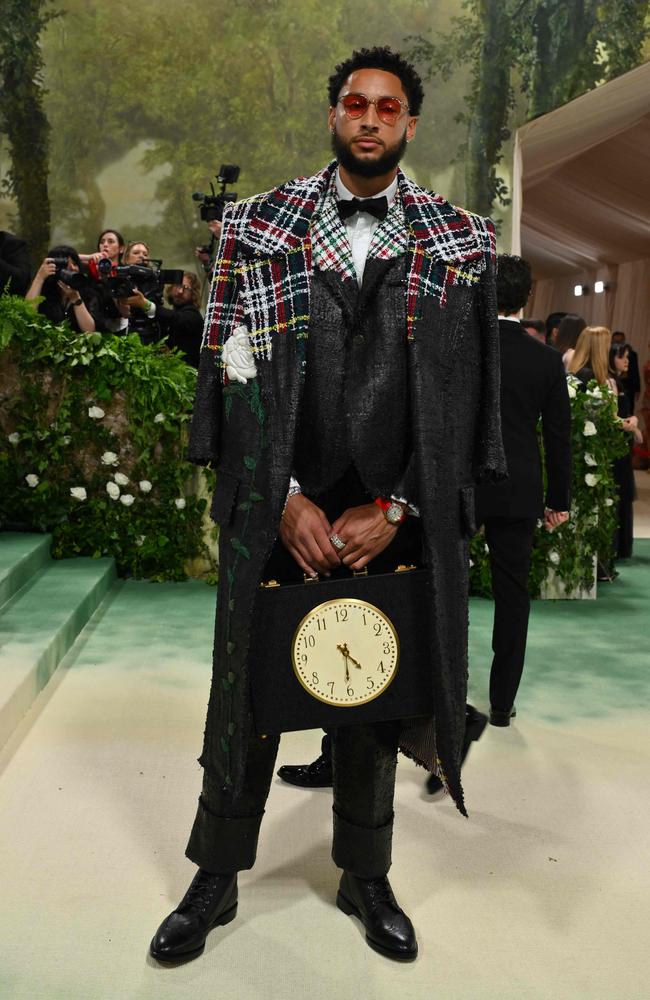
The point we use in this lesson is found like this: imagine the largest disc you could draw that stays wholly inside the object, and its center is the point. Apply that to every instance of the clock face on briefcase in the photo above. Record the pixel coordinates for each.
(345, 652)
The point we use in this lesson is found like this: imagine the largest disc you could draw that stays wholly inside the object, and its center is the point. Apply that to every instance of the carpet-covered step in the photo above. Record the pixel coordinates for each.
(21, 555)
(38, 626)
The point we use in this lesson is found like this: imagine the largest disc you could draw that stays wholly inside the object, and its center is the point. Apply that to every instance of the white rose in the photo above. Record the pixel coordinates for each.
(96, 412)
(145, 486)
(589, 429)
(127, 499)
(140, 540)
(32, 480)
(159, 418)
(237, 356)
(595, 392)
(609, 502)
(113, 490)
(14, 438)
(571, 390)
(589, 459)
(78, 492)
(180, 502)
(590, 479)
(66, 439)
(109, 458)
(554, 557)
(120, 478)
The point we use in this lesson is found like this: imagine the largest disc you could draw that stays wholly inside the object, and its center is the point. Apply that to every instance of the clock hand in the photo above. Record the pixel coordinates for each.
(343, 648)
(356, 662)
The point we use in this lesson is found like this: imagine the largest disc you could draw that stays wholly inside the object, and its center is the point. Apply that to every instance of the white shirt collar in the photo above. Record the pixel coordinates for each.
(346, 195)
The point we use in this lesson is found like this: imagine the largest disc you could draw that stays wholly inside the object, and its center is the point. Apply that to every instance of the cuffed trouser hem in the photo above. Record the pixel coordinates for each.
(360, 850)
(221, 844)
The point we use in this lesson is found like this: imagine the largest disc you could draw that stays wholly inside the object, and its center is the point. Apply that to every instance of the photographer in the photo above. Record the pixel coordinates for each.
(110, 244)
(77, 302)
(183, 323)
(205, 254)
(142, 309)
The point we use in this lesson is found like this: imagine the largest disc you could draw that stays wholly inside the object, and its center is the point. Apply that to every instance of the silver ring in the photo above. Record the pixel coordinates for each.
(337, 542)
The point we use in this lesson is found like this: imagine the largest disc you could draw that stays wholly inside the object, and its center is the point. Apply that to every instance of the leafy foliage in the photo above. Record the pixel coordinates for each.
(194, 85)
(596, 440)
(22, 117)
(551, 50)
(93, 413)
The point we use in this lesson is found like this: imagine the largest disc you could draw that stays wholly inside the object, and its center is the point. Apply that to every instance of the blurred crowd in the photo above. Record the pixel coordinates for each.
(119, 288)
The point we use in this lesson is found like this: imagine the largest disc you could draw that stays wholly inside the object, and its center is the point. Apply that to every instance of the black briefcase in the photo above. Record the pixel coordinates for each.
(341, 651)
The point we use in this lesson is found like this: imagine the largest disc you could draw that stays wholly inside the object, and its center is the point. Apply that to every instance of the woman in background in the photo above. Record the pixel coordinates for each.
(619, 360)
(570, 328)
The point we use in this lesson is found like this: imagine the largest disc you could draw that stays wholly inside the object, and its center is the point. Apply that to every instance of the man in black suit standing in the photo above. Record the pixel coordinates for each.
(533, 384)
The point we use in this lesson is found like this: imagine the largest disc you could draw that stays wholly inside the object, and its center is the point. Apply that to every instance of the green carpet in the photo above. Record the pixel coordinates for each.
(584, 659)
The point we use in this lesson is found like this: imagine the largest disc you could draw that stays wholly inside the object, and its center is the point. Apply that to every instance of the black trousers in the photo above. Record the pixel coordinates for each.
(364, 759)
(510, 541)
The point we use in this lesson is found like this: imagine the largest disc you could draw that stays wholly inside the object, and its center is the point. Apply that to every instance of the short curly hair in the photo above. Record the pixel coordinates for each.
(514, 282)
(379, 58)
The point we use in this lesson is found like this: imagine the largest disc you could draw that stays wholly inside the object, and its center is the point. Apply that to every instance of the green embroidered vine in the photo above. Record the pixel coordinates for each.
(250, 393)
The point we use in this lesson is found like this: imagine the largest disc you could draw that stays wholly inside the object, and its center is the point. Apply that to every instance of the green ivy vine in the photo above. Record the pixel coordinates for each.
(94, 430)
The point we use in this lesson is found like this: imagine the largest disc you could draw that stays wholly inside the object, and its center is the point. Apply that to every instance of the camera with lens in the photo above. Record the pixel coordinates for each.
(73, 279)
(212, 205)
(123, 279)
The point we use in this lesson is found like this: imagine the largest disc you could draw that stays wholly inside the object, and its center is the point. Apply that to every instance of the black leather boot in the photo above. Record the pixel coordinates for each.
(318, 774)
(388, 930)
(475, 723)
(210, 901)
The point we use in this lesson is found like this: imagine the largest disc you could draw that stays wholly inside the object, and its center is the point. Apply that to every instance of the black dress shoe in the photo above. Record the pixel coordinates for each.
(475, 723)
(318, 774)
(388, 930)
(499, 717)
(210, 901)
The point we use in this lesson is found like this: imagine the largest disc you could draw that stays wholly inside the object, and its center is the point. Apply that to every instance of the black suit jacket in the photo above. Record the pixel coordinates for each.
(533, 384)
(14, 264)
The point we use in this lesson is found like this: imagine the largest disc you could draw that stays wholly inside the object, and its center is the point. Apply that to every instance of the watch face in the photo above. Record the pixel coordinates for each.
(394, 513)
(345, 652)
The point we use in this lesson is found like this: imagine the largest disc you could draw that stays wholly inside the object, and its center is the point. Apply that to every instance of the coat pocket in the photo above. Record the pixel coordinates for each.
(467, 511)
(224, 497)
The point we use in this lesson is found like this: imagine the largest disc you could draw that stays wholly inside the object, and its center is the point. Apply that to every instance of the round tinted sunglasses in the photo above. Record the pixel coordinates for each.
(388, 109)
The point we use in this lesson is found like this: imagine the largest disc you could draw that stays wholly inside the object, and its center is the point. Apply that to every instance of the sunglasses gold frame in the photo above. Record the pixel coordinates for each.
(373, 100)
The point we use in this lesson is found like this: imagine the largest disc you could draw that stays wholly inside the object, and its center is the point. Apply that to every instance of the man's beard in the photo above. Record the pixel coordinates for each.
(367, 168)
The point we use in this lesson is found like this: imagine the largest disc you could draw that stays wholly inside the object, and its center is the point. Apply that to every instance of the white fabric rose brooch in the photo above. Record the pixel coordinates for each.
(237, 356)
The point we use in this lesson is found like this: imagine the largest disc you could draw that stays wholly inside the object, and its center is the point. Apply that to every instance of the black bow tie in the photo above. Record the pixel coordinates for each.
(375, 206)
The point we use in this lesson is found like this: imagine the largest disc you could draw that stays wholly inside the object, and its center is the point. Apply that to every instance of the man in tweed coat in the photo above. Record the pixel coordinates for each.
(348, 401)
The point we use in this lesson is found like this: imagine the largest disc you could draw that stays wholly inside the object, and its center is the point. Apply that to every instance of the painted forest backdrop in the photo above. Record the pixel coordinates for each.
(114, 113)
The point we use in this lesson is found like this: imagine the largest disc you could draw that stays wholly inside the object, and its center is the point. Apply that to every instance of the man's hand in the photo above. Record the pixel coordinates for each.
(554, 518)
(305, 533)
(137, 299)
(366, 533)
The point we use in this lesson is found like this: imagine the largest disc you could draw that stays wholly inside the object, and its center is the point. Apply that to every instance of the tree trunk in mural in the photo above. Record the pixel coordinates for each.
(490, 109)
(23, 119)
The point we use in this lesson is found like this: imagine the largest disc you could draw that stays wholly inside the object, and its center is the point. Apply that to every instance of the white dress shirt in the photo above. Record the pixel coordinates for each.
(361, 226)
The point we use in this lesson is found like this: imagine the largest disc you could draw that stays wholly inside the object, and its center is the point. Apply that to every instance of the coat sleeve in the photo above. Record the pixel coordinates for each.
(221, 317)
(556, 430)
(489, 457)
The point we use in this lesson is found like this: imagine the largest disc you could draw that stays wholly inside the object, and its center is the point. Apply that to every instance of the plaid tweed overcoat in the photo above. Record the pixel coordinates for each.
(246, 432)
